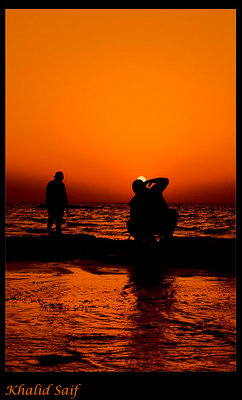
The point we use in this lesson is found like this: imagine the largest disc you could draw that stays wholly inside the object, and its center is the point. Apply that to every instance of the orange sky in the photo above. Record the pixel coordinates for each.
(108, 95)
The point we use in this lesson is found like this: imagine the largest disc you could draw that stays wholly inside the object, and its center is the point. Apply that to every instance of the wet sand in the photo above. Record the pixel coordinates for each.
(89, 315)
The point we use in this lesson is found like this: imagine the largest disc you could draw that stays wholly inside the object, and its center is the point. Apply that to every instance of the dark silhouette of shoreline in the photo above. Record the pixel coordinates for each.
(207, 253)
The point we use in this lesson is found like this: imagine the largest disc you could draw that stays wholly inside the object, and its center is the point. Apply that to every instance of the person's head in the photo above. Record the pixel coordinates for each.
(138, 186)
(59, 176)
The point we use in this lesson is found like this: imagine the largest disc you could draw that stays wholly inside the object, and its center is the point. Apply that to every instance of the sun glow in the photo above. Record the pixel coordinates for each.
(142, 178)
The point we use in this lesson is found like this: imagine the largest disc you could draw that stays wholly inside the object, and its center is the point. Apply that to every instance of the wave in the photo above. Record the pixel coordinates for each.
(35, 230)
(81, 224)
(215, 230)
(110, 220)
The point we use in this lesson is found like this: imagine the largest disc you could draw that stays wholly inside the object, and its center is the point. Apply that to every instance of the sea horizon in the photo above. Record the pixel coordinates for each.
(109, 219)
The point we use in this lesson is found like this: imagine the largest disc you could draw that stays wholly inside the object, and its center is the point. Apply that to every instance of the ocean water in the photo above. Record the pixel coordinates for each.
(109, 220)
(87, 316)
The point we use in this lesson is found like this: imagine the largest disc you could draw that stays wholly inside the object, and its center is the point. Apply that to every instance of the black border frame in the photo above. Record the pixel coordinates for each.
(140, 384)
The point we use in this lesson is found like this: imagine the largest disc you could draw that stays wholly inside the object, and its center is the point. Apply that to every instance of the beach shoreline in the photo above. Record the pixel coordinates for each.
(92, 316)
(81, 303)
(212, 253)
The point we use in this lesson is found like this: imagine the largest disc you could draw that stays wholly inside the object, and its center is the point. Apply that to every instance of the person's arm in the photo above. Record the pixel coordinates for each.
(160, 183)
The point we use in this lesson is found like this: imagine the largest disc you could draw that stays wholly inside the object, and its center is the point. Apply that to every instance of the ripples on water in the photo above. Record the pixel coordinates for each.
(109, 220)
(90, 317)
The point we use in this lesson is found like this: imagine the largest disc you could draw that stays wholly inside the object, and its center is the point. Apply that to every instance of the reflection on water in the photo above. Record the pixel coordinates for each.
(92, 317)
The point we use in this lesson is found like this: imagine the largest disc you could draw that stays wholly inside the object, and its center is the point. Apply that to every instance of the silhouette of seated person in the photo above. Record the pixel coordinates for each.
(149, 213)
(56, 201)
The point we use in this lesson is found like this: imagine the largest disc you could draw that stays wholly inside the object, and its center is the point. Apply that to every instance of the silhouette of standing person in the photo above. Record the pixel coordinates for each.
(56, 201)
(149, 213)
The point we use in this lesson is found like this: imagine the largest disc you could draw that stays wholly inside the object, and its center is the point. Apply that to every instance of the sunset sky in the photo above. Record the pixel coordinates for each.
(108, 95)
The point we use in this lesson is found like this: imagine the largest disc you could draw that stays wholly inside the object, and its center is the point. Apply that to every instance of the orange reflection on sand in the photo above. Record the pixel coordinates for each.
(118, 319)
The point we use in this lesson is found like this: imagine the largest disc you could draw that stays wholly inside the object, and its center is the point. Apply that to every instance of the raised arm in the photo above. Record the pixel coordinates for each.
(159, 183)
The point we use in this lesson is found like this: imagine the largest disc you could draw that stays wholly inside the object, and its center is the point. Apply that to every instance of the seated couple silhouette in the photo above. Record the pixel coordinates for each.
(149, 213)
